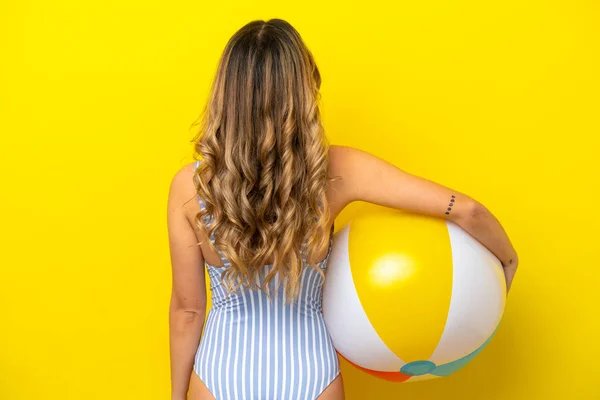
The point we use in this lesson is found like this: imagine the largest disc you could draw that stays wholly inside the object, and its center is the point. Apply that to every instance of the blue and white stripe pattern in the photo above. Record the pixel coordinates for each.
(256, 348)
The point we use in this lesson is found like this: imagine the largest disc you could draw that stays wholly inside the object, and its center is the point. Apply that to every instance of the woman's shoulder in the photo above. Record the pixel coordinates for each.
(182, 179)
(182, 188)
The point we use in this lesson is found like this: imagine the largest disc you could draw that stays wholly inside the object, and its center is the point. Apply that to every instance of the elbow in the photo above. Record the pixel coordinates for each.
(471, 212)
(475, 210)
(198, 310)
(188, 312)
(192, 318)
(183, 320)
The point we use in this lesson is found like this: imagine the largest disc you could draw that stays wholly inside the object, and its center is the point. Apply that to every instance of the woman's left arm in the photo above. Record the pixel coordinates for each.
(188, 296)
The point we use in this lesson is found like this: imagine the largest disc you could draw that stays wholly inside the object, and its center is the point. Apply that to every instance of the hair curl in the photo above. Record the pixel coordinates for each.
(265, 157)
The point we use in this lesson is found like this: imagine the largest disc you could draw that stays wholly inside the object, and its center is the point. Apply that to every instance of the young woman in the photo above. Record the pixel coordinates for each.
(258, 212)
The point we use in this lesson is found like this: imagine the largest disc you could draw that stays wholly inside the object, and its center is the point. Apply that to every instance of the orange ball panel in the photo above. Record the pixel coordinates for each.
(388, 376)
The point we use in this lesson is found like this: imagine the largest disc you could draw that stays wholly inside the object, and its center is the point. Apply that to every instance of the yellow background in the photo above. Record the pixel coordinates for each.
(499, 99)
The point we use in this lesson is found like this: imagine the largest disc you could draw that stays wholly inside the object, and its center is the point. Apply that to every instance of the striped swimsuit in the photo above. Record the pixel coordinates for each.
(256, 348)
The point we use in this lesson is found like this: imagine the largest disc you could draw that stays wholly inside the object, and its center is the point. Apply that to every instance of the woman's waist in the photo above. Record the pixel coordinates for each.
(279, 325)
(236, 308)
(250, 300)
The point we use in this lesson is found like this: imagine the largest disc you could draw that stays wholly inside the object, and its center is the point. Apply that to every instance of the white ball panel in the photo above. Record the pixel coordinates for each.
(478, 297)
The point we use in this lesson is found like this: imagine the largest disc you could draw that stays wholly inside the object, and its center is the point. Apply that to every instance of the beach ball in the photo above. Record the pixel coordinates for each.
(410, 297)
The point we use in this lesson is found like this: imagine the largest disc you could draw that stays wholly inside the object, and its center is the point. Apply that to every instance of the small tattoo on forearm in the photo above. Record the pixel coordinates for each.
(450, 205)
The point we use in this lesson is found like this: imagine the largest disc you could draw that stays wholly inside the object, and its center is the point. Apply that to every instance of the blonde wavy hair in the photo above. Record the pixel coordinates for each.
(265, 158)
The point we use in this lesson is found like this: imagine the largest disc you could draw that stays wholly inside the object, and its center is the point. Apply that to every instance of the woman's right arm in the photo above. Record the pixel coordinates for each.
(187, 307)
(371, 179)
